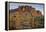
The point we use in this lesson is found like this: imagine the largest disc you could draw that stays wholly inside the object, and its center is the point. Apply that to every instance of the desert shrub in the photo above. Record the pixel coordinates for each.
(39, 21)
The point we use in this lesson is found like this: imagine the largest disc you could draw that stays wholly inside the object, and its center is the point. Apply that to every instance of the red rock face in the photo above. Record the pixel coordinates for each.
(24, 9)
(29, 9)
(23, 16)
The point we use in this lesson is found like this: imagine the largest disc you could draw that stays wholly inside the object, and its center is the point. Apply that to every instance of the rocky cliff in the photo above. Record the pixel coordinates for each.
(24, 17)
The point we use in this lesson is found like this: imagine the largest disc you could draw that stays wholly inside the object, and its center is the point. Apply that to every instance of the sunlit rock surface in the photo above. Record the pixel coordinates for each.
(25, 17)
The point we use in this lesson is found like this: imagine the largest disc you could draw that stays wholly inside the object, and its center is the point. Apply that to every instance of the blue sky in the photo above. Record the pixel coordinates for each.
(36, 6)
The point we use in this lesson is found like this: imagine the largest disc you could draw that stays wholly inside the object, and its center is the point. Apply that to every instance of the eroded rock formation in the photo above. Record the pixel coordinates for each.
(23, 17)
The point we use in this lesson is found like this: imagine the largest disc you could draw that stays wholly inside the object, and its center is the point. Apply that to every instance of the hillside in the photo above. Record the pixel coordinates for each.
(25, 17)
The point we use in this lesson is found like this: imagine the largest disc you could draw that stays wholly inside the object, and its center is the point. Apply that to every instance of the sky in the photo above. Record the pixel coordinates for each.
(36, 6)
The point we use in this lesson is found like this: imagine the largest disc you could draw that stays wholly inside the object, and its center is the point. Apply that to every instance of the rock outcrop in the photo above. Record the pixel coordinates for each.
(23, 17)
